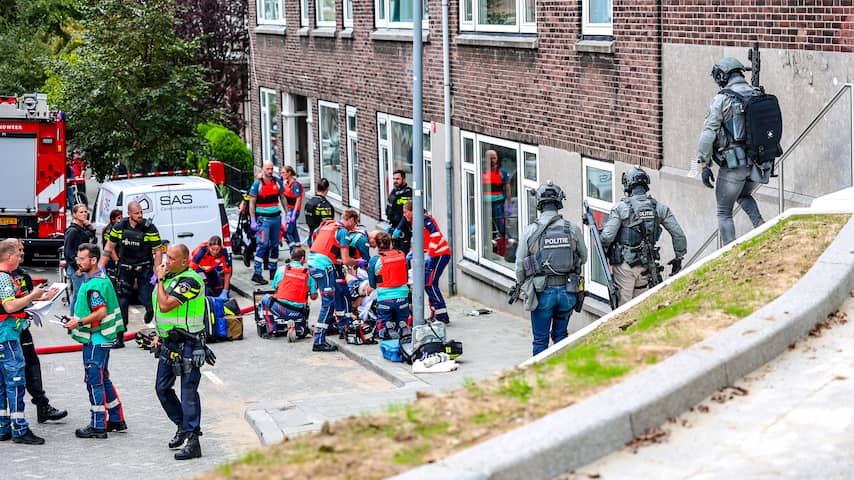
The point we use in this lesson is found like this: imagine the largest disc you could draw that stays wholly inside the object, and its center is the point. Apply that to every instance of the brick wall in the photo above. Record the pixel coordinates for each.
(826, 25)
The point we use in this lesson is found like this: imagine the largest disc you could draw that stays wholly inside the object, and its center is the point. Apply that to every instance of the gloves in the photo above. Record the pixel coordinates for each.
(676, 265)
(397, 234)
(292, 216)
(409, 256)
(210, 358)
(153, 279)
(253, 225)
(224, 294)
(198, 357)
(708, 177)
(508, 210)
(361, 263)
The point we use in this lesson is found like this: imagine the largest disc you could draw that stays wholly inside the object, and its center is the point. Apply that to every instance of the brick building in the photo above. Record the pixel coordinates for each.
(574, 91)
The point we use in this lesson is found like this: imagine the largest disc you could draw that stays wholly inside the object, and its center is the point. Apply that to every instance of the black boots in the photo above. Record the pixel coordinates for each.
(29, 438)
(46, 412)
(119, 426)
(90, 432)
(178, 439)
(257, 278)
(323, 347)
(192, 449)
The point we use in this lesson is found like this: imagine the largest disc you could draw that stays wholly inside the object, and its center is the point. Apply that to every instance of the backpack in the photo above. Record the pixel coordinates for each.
(763, 125)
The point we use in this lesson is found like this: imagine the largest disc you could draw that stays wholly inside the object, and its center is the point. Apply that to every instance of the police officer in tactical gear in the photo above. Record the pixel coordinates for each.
(548, 264)
(180, 304)
(139, 250)
(724, 119)
(318, 208)
(637, 218)
(397, 198)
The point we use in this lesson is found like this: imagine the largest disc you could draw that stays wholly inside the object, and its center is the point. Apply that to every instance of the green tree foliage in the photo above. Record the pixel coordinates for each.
(132, 91)
(227, 147)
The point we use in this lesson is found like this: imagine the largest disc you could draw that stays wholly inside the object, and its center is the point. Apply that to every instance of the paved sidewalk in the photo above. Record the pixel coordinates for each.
(491, 343)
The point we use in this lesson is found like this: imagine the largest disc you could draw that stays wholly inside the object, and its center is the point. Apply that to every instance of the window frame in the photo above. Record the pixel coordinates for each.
(594, 287)
(522, 184)
(471, 169)
(327, 104)
(259, 11)
(473, 25)
(266, 120)
(386, 170)
(318, 11)
(352, 136)
(588, 28)
(348, 21)
(304, 17)
(380, 22)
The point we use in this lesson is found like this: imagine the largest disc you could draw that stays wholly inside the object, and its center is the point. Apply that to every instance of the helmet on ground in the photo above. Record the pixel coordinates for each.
(633, 177)
(724, 68)
(550, 193)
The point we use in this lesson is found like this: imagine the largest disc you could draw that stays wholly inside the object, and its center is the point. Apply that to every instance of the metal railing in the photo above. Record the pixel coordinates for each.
(779, 164)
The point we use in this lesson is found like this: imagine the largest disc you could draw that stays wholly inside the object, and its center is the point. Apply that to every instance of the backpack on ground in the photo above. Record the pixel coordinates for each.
(763, 126)
(222, 320)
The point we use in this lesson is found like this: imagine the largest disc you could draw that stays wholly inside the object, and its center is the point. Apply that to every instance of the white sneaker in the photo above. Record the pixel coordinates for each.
(292, 332)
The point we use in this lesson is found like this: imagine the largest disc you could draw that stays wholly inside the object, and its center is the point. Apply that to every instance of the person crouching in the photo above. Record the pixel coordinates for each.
(387, 273)
(293, 286)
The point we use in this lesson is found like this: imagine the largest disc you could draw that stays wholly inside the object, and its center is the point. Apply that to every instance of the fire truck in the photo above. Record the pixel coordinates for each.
(32, 185)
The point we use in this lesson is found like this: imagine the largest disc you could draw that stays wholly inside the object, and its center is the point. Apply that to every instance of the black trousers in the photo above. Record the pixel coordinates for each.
(32, 369)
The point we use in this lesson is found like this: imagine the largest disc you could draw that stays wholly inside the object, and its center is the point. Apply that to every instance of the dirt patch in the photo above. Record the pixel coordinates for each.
(435, 426)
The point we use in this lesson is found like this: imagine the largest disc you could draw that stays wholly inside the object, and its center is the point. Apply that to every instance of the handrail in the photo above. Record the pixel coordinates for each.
(779, 162)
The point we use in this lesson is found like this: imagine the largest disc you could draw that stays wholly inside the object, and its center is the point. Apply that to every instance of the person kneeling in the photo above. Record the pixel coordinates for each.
(213, 262)
(293, 286)
(387, 273)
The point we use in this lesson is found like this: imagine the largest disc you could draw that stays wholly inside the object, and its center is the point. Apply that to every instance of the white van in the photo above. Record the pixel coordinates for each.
(185, 209)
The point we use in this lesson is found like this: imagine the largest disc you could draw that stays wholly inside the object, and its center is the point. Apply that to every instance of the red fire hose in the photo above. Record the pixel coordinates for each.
(76, 347)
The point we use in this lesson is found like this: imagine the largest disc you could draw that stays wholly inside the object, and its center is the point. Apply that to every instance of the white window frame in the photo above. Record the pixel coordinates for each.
(323, 103)
(470, 168)
(266, 121)
(521, 197)
(588, 28)
(352, 136)
(386, 169)
(384, 22)
(304, 19)
(323, 23)
(347, 15)
(521, 26)
(259, 11)
(593, 286)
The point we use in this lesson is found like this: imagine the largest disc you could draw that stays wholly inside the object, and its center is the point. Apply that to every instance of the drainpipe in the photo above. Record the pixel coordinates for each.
(449, 163)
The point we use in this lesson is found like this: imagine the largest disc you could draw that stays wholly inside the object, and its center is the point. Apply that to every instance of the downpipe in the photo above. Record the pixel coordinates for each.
(449, 164)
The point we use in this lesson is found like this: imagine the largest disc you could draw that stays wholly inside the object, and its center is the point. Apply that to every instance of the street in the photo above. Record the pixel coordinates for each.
(246, 372)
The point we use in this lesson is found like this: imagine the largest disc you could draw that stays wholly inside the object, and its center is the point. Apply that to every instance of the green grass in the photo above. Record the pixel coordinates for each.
(516, 387)
(482, 417)
(428, 430)
(472, 387)
(412, 456)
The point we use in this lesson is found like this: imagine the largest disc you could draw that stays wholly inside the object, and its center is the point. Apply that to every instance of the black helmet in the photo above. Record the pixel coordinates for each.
(724, 68)
(633, 177)
(550, 193)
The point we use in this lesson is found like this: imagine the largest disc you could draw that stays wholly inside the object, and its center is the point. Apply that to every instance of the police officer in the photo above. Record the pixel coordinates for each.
(179, 301)
(397, 198)
(716, 143)
(266, 199)
(636, 218)
(548, 264)
(318, 208)
(138, 243)
(96, 324)
(293, 285)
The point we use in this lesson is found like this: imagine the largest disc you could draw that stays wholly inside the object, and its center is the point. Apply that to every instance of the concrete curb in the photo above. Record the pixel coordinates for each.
(265, 427)
(582, 433)
(399, 380)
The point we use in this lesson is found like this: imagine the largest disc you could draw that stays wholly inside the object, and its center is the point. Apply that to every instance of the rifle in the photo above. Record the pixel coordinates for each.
(514, 293)
(649, 259)
(587, 219)
(755, 65)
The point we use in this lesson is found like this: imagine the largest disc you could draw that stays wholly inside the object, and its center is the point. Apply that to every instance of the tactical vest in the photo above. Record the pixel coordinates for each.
(326, 242)
(111, 325)
(293, 287)
(189, 316)
(393, 269)
(555, 249)
(317, 209)
(133, 249)
(641, 223)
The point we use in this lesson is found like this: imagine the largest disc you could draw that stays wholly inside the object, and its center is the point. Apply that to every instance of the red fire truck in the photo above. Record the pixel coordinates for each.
(32, 185)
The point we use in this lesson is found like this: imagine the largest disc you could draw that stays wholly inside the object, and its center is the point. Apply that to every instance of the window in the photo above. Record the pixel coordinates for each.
(498, 16)
(500, 180)
(330, 148)
(325, 13)
(348, 13)
(395, 151)
(599, 193)
(352, 157)
(597, 17)
(270, 149)
(303, 13)
(270, 12)
(397, 14)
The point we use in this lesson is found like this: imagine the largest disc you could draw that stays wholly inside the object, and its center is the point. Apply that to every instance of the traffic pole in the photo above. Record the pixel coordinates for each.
(417, 170)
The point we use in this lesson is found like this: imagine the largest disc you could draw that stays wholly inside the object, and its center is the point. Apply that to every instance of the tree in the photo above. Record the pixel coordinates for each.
(220, 28)
(132, 90)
